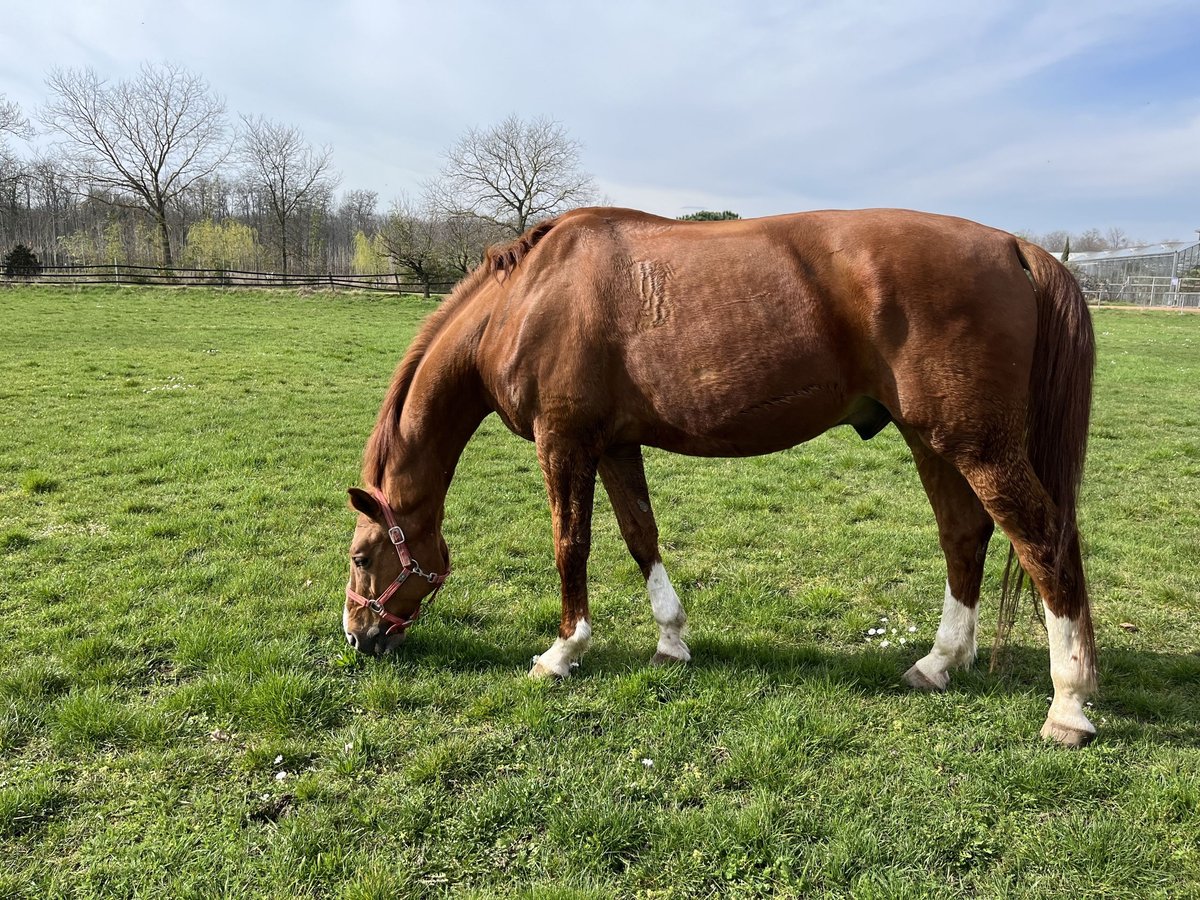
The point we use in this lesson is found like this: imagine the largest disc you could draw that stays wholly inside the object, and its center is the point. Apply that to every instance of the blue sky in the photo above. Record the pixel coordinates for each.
(1026, 115)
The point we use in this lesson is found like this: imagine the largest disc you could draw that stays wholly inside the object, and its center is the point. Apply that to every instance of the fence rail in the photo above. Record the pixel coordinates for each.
(125, 274)
(1143, 290)
(1139, 290)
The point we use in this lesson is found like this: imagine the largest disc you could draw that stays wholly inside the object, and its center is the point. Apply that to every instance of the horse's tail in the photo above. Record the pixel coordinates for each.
(1060, 403)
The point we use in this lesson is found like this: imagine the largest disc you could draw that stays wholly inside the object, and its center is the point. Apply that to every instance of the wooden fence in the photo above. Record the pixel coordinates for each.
(132, 275)
(1180, 293)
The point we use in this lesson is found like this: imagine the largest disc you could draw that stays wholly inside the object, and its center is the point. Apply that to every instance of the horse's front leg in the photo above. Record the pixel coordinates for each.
(570, 473)
(624, 478)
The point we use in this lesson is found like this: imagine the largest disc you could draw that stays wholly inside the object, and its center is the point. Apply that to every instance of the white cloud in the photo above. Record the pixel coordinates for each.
(759, 108)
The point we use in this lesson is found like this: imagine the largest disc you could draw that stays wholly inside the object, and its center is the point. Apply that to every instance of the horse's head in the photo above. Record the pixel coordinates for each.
(387, 585)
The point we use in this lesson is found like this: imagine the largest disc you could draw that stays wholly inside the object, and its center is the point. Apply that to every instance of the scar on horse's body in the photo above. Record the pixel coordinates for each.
(606, 330)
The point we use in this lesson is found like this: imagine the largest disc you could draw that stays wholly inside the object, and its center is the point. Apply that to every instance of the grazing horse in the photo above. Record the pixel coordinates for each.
(605, 330)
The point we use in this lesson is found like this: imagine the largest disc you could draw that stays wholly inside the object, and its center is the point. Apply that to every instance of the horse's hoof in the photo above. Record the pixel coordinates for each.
(541, 672)
(665, 659)
(1067, 736)
(919, 681)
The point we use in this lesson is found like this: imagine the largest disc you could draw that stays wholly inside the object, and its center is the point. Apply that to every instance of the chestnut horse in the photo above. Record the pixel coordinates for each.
(605, 330)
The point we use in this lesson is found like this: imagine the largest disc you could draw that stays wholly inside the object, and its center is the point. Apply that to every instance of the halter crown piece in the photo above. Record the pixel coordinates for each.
(408, 566)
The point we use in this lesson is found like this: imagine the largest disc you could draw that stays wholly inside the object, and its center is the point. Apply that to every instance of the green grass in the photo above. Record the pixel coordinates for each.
(180, 715)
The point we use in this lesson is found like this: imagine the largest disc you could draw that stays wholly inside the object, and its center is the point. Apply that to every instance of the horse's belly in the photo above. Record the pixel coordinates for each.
(733, 423)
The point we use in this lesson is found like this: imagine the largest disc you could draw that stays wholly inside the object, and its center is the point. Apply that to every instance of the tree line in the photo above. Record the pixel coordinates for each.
(152, 170)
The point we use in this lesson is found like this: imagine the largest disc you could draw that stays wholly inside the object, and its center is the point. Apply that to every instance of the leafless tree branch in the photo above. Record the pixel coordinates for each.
(514, 174)
(286, 170)
(149, 138)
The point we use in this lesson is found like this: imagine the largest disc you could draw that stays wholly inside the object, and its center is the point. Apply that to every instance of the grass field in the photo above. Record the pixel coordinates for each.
(180, 715)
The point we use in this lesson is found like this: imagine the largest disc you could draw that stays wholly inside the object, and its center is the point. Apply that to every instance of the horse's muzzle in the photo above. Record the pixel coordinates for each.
(374, 641)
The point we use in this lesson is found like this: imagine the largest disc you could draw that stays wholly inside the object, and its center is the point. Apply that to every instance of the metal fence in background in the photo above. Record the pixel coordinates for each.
(1143, 290)
(133, 275)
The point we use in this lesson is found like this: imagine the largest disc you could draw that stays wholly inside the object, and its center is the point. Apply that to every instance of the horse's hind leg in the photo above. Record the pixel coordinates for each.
(624, 479)
(964, 528)
(1017, 500)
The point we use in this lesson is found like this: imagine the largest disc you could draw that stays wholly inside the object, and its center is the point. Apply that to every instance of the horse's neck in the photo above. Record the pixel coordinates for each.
(441, 412)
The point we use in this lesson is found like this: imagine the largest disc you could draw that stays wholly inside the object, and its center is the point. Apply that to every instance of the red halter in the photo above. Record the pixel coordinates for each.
(409, 567)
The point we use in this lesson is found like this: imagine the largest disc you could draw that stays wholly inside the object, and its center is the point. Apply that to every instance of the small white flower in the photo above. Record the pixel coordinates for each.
(279, 759)
(912, 629)
(279, 776)
(870, 631)
(883, 618)
(648, 763)
(885, 644)
(893, 631)
(349, 746)
(903, 640)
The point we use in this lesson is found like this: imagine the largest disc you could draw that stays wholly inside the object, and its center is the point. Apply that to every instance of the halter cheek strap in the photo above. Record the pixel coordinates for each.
(408, 566)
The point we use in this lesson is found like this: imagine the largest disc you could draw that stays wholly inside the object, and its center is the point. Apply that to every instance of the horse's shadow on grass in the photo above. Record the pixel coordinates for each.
(1145, 696)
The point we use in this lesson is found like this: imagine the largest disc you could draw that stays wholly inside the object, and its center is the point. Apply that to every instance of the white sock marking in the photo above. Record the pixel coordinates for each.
(954, 646)
(565, 651)
(1071, 682)
(668, 613)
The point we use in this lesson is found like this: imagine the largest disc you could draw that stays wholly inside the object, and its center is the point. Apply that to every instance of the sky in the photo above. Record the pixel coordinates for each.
(1029, 116)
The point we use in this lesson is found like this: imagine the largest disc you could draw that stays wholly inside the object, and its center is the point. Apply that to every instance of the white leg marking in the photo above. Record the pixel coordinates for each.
(668, 613)
(564, 651)
(954, 646)
(1071, 683)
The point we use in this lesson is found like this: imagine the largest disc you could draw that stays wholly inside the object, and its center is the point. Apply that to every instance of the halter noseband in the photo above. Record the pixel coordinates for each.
(408, 566)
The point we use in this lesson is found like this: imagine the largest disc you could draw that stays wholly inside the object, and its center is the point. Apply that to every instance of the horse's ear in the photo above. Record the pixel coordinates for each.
(365, 503)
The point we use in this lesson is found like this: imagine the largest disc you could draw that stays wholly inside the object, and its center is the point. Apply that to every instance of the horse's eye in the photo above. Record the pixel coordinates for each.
(360, 562)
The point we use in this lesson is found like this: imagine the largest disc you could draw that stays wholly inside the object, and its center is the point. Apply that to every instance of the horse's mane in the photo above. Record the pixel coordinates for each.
(499, 262)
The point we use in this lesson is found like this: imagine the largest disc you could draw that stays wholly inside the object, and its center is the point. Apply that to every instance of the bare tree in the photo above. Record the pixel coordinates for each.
(142, 142)
(358, 209)
(1116, 238)
(12, 121)
(1090, 241)
(464, 241)
(286, 171)
(412, 236)
(355, 214)
(514, 174)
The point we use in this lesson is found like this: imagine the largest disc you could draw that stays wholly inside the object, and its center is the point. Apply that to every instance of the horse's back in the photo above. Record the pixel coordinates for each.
(749, 336)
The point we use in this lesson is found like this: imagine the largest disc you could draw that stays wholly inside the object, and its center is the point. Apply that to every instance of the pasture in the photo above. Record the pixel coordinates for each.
(181, 716)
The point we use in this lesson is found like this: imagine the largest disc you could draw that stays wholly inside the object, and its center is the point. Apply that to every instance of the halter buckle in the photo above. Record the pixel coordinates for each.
(374, 606)
(396, 535)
